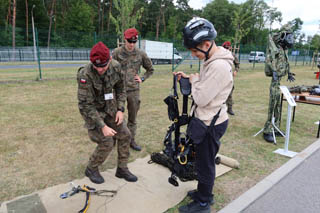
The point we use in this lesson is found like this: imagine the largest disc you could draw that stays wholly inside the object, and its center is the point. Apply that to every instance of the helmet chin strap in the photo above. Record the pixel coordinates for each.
(206, 53)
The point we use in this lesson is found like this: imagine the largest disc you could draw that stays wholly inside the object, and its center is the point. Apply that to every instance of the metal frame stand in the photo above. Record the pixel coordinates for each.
(273, 133)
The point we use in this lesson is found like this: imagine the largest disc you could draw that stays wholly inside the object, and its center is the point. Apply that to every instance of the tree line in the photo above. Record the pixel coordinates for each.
(79, 23)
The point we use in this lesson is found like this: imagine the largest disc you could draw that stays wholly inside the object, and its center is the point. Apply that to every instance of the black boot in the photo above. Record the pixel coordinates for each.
(126, 174)
(193, 193)
(134, 145)
(94, 176)
(195, 207)
(268, 137)
(278, 134)
(230, 111)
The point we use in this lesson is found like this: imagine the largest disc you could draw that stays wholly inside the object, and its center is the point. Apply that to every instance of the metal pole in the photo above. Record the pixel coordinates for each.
(172, 61)
(39, 66)
(34, 36)
(288, 129)
(254, 58)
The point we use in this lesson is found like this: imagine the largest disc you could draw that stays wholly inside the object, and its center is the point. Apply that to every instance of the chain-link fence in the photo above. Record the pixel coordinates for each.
(70, 46)
(75, 46)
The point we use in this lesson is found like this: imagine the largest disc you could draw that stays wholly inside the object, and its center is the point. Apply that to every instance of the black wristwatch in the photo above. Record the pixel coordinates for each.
(142, 79)
(121, 109)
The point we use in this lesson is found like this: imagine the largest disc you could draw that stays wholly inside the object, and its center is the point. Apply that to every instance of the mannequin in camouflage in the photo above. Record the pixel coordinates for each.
(131, 59)
(277, 66)
(236, 63)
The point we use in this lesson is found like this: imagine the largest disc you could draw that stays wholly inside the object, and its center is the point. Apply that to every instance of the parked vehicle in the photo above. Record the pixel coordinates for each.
(160, 52)
(257, 56)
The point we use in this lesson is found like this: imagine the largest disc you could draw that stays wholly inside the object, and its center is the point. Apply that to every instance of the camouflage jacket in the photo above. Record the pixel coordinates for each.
(276, 59)
(99, 96)
(236, 63)
(131, 63)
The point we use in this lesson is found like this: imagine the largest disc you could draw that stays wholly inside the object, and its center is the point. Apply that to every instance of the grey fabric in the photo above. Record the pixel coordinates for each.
(30, 204)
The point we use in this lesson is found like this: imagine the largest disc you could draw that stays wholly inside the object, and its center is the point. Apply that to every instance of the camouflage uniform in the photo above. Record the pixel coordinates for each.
(276, 65)
(98, 112)
(131, 63)
(236, 63)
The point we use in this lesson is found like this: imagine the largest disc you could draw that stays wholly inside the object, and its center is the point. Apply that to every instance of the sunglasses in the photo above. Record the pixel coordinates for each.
(132, 41)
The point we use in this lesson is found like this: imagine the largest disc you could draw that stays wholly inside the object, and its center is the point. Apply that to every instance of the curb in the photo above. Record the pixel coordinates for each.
(247, 198)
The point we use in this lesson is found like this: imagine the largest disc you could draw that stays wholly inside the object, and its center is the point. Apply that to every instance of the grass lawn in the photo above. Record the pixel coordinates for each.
(43, 142)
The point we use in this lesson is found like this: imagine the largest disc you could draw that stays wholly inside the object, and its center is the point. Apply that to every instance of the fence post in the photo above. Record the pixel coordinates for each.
(254, 58)
(38, 52)
(20, 54)
(172, 61)
(239, 53)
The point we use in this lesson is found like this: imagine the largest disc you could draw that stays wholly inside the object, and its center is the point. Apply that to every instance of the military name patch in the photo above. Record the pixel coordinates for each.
(82, 80)
(108, 96)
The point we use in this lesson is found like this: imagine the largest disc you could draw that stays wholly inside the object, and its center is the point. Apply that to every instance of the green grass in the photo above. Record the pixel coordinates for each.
(43, 142)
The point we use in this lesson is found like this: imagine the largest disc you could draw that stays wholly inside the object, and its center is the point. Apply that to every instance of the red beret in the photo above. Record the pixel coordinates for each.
(100, 54)
(226, 44)
(131, 33)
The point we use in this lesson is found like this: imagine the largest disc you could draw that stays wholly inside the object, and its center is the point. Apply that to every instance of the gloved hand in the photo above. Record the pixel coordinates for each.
(275, 76)
(291, 77)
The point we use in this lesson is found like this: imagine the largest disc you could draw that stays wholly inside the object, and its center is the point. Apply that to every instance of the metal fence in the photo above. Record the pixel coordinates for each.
(24, 54)
(8, 54)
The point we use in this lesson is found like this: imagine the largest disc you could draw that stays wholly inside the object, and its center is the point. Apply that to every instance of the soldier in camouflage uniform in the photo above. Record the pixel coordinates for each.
(277, 66)
(131, 59)
(101, 99)
(236, 63)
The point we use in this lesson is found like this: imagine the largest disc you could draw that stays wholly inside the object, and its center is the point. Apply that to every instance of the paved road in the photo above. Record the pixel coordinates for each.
(293, 188)
(298, 192)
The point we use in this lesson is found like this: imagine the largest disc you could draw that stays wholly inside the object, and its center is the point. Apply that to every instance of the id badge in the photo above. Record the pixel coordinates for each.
(108, 96)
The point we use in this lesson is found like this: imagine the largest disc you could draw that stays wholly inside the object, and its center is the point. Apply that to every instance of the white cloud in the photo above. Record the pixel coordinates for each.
(198, 4)
(306, 10)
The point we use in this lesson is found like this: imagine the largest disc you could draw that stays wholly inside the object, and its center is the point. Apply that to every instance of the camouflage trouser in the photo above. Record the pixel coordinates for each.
(105, 144)
(229, 101)
(274, 106)
(133, 106)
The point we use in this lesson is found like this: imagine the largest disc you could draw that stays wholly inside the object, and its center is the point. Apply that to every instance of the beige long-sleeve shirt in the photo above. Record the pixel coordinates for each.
(212, 87)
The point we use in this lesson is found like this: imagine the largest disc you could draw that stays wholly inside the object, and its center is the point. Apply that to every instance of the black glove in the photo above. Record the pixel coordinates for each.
(275, 76)
(291, 77)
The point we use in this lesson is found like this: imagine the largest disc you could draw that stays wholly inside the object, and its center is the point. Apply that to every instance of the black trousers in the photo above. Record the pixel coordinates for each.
(206, 153)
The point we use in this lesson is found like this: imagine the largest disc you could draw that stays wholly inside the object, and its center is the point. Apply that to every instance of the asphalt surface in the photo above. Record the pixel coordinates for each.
(56, 65)
(293, 188)
(298, 192)
(35, 66)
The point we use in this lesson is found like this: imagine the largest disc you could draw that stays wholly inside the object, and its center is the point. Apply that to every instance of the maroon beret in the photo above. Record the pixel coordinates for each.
(100, 55)
(131, 33)
(226, 44)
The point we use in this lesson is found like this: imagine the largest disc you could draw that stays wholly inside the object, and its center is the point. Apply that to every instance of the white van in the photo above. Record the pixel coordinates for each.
(257, 56)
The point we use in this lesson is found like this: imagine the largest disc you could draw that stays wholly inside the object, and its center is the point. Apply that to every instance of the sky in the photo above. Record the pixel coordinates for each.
(306, 10)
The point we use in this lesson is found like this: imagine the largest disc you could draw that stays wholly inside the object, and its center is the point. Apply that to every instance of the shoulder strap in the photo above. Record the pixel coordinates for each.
(214, 119)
